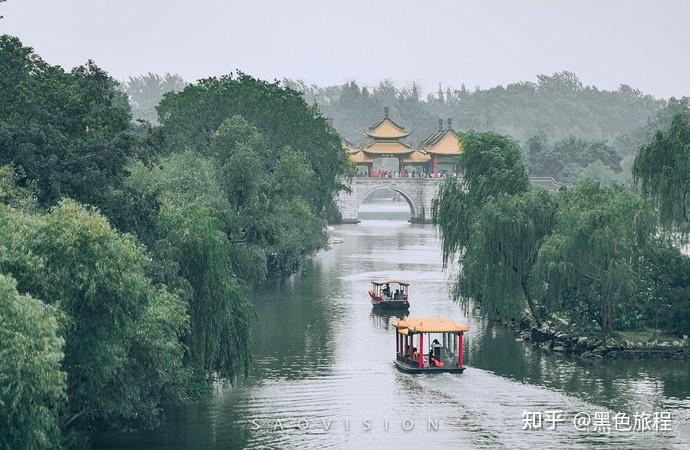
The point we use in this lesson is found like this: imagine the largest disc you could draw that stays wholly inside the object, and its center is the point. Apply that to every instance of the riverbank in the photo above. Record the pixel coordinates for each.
(642, 345)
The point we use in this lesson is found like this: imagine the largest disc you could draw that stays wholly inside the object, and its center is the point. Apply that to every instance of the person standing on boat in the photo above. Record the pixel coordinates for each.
(435, 348)
(387, 290)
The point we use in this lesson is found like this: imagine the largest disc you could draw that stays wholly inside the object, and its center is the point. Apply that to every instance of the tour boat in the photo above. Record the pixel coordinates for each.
(390, 294)
(411, 354)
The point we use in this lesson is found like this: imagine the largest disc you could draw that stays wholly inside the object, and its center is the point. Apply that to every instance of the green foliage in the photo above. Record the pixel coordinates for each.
(480, 217)
(13, 195)
(191, 117)
(97, 276)
(584, 254)
(567, 160)
(67, 132)
(665, 288)
(590, 263)
(32, 386)
(662, 169)
(508, 236)
(189, 238)
(492, 165)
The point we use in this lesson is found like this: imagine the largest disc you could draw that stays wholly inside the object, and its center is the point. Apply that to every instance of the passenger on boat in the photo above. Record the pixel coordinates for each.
(387, 290)
(435, 349)
(415, 355)
(396, 296)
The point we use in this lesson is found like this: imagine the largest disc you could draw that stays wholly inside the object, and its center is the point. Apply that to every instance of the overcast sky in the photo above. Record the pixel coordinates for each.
(643, 43)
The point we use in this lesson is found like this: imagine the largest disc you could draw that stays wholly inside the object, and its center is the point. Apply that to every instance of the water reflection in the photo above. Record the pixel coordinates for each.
(322, 355)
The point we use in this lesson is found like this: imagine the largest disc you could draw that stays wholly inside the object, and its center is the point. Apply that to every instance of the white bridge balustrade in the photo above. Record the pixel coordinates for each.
(418, 192)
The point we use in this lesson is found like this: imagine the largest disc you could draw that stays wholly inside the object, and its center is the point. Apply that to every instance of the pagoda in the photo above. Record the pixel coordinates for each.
(443, 147)
(388, 155)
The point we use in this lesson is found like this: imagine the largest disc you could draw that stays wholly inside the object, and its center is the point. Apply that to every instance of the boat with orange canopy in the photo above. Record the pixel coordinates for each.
(390, 294)
(413, 356)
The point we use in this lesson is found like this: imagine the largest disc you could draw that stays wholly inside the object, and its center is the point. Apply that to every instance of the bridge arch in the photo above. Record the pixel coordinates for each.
(407, 196)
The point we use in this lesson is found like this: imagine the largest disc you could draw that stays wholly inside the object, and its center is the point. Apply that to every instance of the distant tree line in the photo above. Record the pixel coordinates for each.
(566, 130)
(127, 248)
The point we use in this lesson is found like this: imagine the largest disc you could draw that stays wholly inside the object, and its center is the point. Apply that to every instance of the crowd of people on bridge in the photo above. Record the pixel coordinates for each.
(373, 173)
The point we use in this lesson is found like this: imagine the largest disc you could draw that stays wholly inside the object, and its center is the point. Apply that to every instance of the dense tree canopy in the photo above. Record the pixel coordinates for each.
(97, 278)
(566, 160)
(495, 231)
(590, 263)
(191, 117)
(588, 255)
(65, 131)
(32, 385)
(188, 236)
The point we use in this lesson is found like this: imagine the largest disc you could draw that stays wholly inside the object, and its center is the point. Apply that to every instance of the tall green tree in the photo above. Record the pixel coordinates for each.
(98, 279)
(662, 170)
(590, 263)
(508, 236)
(196, 256)
(494, 224)
(66, 131)
(190, 118)
(32, 384)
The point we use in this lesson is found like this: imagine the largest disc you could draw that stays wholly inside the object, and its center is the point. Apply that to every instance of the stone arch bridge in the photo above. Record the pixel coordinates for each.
(418, 192)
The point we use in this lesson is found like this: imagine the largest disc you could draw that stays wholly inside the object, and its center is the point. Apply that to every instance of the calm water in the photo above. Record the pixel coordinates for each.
(321, 355)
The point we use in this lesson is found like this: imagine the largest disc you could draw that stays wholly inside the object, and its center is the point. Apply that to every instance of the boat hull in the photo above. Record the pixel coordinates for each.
(409, 369)
(391, 305)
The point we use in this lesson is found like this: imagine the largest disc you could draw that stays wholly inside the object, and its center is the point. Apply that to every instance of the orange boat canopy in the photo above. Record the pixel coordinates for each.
(410, 325)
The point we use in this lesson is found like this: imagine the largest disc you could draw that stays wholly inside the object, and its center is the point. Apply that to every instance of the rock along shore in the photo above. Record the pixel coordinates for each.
(589, 347)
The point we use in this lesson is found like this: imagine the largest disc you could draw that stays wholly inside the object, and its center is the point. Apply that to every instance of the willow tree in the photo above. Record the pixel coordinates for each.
(508, 235)
(32, 384)
(662, 170)
(493, 223)
(197, 257)
(122, 348)
(588, 266)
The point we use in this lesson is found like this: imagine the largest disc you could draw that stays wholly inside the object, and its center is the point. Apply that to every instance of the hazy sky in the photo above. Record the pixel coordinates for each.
(645, 44)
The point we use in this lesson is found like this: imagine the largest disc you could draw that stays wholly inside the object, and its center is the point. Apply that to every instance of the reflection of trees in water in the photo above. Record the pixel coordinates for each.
(621, 385)
(293, 334)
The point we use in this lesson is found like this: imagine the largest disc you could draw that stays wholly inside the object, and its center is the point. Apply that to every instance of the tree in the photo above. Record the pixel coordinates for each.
(32, 385)
(662, 170)
(508, 236)
(66, 132)
(190, 118)
(589, 265)
(72, 258)
(479, 216)
(189, 239)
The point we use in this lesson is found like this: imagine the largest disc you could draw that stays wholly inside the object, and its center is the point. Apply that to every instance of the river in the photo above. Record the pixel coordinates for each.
(322, 370)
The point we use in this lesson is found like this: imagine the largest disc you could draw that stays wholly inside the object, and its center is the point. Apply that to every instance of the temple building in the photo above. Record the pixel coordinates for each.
(387, 155)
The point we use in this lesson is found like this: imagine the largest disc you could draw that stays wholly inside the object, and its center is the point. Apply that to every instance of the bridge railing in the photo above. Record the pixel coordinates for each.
(405, 176)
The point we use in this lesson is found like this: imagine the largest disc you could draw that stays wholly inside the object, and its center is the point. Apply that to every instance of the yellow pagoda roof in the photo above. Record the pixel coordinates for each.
(383, 148)
(417, 156)
(360, 157)
(445, 143)
(428, 325)
(387, 129)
